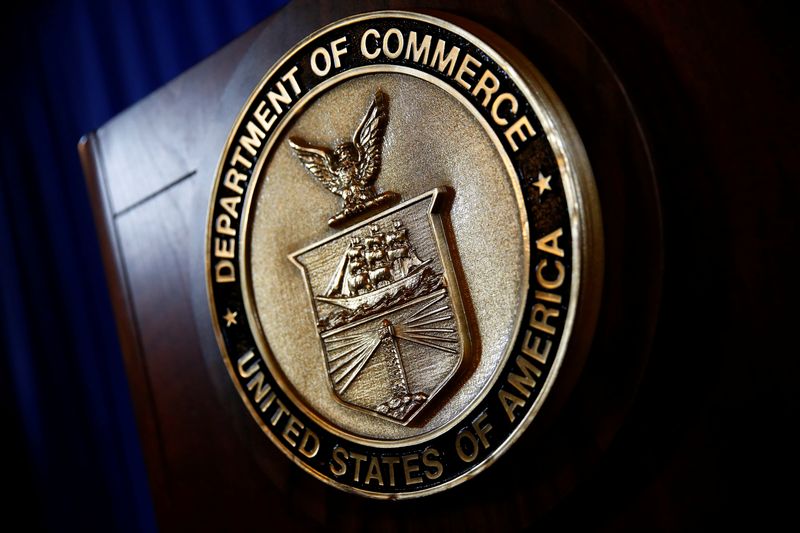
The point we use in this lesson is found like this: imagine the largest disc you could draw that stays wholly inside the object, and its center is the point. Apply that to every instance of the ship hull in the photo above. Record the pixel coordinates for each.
(373, 297)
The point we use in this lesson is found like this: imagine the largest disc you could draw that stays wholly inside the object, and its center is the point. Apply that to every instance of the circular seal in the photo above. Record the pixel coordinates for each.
(403, 252)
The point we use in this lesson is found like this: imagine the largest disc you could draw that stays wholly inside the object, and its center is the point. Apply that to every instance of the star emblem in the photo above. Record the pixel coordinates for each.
(543, 184)
(230, 318)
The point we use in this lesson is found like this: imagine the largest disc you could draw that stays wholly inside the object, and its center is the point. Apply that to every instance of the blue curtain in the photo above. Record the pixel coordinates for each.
(70, 446)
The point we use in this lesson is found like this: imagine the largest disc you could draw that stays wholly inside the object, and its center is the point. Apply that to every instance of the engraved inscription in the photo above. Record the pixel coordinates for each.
(374, 380)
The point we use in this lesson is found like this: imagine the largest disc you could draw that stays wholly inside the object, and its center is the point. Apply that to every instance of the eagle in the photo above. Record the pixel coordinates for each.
(351, 168)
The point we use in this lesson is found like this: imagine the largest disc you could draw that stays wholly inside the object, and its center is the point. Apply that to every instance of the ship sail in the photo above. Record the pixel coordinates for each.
(336, 284)
(372, 267)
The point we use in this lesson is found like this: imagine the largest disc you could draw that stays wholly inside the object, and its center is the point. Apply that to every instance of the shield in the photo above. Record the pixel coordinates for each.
(387, 308)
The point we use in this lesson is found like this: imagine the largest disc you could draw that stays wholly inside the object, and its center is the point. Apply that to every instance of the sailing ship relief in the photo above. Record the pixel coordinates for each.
(383, 293)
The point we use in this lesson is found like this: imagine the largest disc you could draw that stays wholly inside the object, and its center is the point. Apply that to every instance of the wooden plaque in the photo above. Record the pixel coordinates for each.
(150, 173)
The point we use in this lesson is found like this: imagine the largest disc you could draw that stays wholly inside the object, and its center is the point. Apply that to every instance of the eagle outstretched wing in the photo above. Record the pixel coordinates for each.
(318, 162)
(368, 139)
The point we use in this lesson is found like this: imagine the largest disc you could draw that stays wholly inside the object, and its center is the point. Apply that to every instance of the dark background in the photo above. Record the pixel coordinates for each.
(72, 457)
(709, 441)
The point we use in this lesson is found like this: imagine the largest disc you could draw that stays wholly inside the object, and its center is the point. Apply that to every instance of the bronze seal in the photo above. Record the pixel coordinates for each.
(403, 239)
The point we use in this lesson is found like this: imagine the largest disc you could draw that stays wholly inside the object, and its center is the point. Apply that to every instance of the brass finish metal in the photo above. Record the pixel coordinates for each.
(483, 238)
(352, 167)
(429, 334)
(394, 292)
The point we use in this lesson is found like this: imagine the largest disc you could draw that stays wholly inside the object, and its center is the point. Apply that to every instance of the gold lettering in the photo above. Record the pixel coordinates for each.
(224, 247)
(282, 97)
(252, 140)
(410, 469)
(338, 52)
(292, 430)
(444, 61)
(510, 403)
(237, 157)
(339, 456)
(465, 68)
(549, 243)
(261, 113)
(391, 461)
(547, 297)
(232, 179)
(224, 225)
(430, 458)
(539, 317)
(418, 51)
(243, 361)
(315, 68)
(533, 351)
(229, 204)
(282, 410)
(258, 383)
(266, 403)
(488, 88)
(517, 129)
(550, 283)
(393, 54)
(374, 472)
(359, 459)
(366, 53)
(466, 456)
(505, 97)
(481, 430)
(476, 438)
(223, 271)
(525, 382)
(309, 437)
(289, 76)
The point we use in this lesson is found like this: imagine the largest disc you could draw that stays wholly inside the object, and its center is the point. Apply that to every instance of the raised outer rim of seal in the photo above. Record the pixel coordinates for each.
(582, 205)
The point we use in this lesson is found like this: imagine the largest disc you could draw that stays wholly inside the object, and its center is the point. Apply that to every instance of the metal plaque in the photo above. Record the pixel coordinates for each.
(403, 252)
